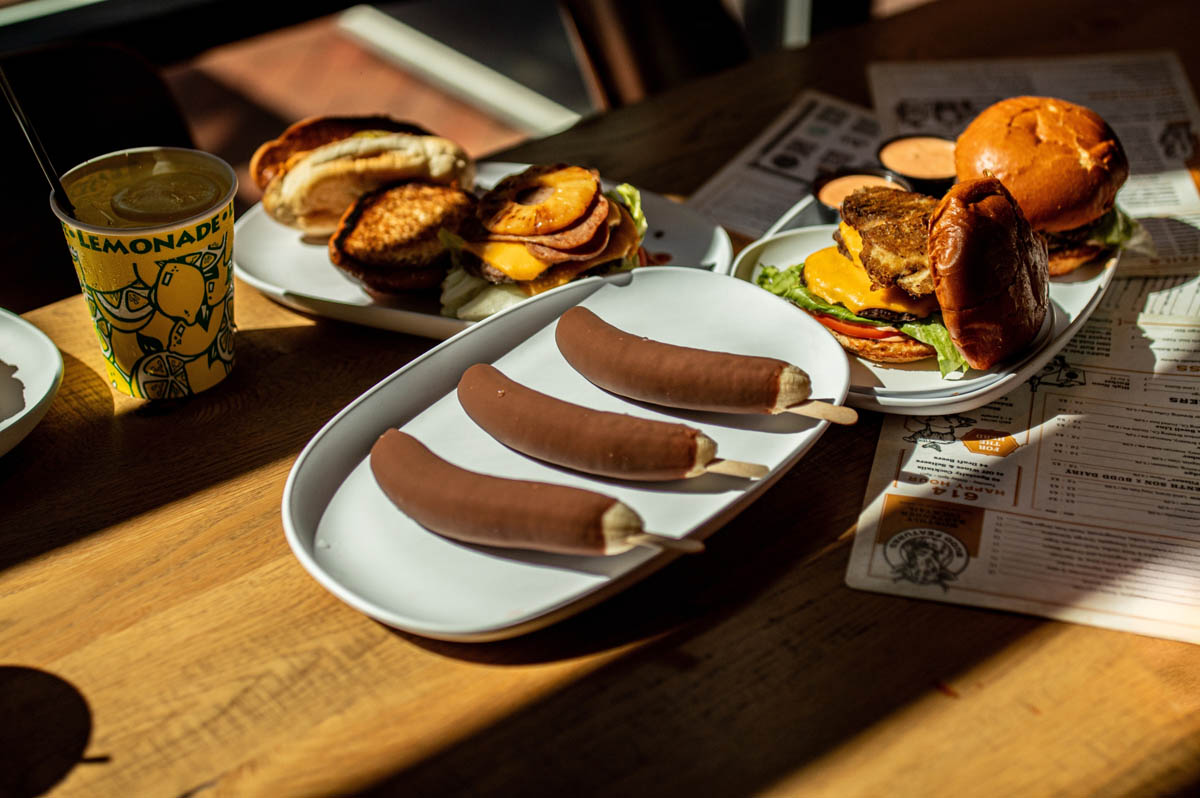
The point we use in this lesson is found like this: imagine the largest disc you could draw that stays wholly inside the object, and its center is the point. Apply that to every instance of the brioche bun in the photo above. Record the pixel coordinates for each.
(1061, 161)
(990, 272)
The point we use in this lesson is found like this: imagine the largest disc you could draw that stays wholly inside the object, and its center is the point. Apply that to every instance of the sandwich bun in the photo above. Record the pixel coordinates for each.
(308, 134)
(316, 168)
(1065, 261)
(901, 349)
(317, 189)
(990, 271)
(1061, 161)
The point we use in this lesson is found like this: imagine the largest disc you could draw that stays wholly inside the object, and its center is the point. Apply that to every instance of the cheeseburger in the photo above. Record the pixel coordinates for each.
(1062, 163)
(963, 279)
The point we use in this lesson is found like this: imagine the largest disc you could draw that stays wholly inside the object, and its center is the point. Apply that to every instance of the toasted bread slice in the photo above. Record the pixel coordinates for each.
(894, 230)
(317, 131)
(388, 239)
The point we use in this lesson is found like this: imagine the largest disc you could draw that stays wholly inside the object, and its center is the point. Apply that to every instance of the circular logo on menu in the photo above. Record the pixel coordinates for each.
(925, 556)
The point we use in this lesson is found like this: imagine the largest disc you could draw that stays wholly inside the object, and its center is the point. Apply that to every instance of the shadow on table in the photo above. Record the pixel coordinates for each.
(99, 463)
(758, 661)
(45, 730)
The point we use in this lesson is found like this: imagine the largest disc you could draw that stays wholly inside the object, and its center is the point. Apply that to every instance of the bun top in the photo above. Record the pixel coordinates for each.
(989, 271)
(319, 185)
(309, 134)
(1061, 161)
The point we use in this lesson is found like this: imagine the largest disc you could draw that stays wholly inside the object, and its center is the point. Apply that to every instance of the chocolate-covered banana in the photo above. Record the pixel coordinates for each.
(495, 511)
(685, 377)
(593, 441)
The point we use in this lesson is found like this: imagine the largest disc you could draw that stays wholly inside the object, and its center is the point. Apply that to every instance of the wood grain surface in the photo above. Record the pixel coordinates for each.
(157, 637)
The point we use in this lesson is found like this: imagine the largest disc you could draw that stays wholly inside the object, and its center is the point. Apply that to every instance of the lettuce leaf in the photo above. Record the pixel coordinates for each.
(789, 284)
(1114, 229)
(631, 198)
(933, 332)
(452, 242)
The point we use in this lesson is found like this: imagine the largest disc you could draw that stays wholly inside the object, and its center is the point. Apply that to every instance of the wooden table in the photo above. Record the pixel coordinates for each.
(157, 637)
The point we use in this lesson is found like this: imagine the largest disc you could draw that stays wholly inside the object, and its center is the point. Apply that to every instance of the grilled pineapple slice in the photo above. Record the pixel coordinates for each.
(540, 200)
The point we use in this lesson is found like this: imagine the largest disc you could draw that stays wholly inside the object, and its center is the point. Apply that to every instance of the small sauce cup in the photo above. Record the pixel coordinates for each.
(830, 189)
(926, 161)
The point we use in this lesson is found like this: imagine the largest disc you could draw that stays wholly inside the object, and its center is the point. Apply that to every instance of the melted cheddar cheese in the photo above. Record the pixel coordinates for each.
(853, 242)
(509, 257)
(620, 242)
(534, 275)
(837, 280)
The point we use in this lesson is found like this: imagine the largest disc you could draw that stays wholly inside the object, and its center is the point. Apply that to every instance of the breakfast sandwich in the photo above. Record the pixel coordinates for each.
(536, 230)
(313, 172)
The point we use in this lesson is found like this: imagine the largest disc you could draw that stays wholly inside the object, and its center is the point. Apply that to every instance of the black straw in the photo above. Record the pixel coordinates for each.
(43, 158)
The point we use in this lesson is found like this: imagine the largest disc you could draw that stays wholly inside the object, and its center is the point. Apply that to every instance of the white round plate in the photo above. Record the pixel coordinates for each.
(356, 543)
(31, 370)
(273, 258)
(918, 388)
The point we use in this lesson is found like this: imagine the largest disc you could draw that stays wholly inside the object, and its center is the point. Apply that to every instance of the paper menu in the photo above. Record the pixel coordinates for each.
(1145, 97)
(1141, 93)
(1076, 496)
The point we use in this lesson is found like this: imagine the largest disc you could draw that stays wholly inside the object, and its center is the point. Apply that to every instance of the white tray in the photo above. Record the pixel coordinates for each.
(31, 369)
(918, 388)
(357, 544)
(273, 258)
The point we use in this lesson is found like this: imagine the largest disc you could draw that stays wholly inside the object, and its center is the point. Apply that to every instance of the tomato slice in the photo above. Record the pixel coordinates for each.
(856, 330)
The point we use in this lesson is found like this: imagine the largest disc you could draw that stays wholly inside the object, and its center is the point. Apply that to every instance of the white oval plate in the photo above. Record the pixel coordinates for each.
(918, 388)
(273, 258)
(356, 543)
(31, 369)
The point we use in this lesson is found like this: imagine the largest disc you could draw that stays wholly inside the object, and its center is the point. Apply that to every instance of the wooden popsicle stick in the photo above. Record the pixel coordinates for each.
(813, 408)
(736, 468)
(683, 545)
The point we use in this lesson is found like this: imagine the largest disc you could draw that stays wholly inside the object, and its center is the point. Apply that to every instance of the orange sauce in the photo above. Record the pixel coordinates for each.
(836, 190)
(924, 157)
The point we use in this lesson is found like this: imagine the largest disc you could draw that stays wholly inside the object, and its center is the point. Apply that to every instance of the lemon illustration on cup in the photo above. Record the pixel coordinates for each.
(128, 308)
(150, 232)
(173, 324)
(181, 289)
(162, 375)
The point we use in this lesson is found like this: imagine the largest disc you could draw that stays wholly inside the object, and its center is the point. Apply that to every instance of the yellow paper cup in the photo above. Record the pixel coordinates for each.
(160, 293)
